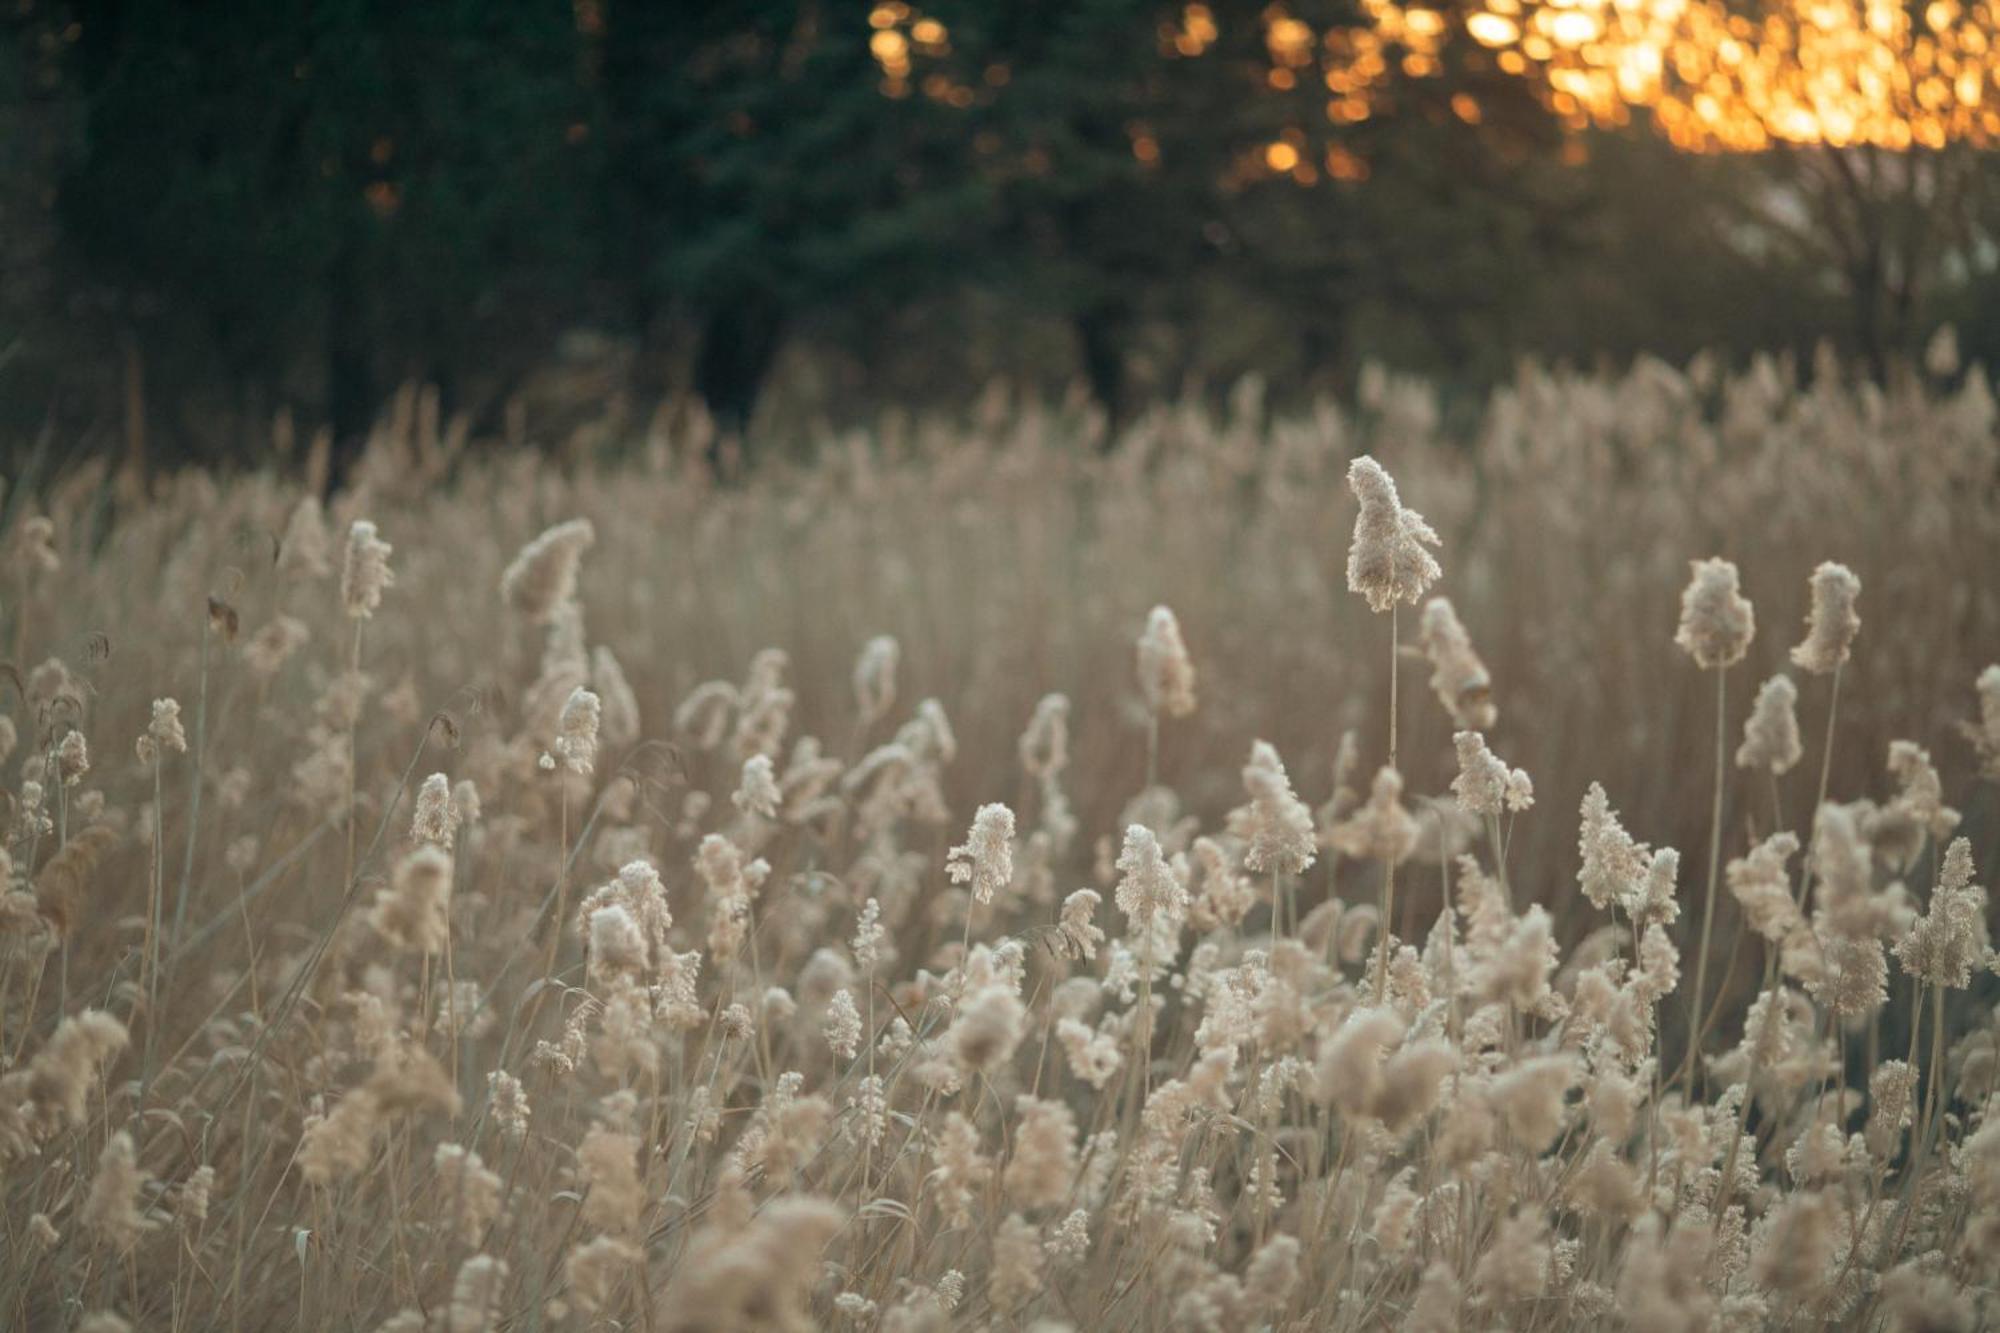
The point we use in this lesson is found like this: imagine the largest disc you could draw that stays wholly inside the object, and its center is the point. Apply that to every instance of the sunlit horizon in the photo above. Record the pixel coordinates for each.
(1710, 78)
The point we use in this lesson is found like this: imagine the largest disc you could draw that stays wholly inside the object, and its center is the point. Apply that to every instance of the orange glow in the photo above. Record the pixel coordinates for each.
(889, 46)
(1345, 166)
(1838, 72)
(1193, 35)
(1492, 29)
(1710, 76)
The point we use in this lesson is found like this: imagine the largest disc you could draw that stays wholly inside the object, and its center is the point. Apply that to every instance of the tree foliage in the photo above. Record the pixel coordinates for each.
(307, 204)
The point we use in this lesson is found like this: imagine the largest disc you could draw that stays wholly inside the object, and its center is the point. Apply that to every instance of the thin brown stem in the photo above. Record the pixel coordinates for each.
(1698, 996)
(1389, 863)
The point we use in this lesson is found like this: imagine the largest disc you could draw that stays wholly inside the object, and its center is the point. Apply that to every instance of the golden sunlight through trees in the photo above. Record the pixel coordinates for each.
(1711, 76)
(1834, 72)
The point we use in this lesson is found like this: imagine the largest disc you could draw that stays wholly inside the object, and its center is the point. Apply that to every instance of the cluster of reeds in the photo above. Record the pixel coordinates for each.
(977, 880)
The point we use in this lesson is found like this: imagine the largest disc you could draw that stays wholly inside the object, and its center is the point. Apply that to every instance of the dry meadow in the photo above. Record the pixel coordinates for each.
(1368, 867)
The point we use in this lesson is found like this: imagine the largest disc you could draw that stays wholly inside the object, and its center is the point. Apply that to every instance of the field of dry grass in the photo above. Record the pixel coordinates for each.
(565, 890)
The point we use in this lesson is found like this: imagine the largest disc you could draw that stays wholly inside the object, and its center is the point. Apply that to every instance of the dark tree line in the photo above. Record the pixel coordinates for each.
(217, 211)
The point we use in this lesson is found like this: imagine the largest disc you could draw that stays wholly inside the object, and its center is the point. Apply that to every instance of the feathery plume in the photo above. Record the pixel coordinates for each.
(267, 651)
(413, 911)
(1515, 1265)
(164, 732)
(1482, 782)
(1148, 888)
(1077, 936)
(842, 1025)
(1771, 732)
(1387, 562)
(111, 1209)
(436, 817)
(1763, 887)
(1166, 673)
(875, 678)
(1278, 827)
(609, 1159)
(1458, 677)
(576, 739)
(1045, 743)
(1831, 624)
(987, 1029)
(986, 858)
(595, 1271)
(61, 1075)
(1717, 621)
(757, 791)
(542, 576)
(470, 1190)
(1947, 942)
(1382, 829)
(365, 573)
(1985, 733)
(475, 1295)
(1043, 1167)
(1614, 866)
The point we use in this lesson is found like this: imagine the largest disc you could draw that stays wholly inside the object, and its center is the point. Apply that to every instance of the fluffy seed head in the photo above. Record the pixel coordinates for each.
(576, 738)
(1985, 733)
(1045, 743)
(543, 576)
(1382, 829)
(1771, 733)
(1458, 677)
(61, 1075)
(1614, 866)
(1148, 889)
(1043, 1167)
(1387, 562)
(617, 945)
(1717, 621)
(986, 858)
(757, 791)
(436, 818)
(1832, 623)
(1481, 784)
(1279, 827)
(1166, 672)
(365, 573)
(1763, 887)
(875, 678)
(413, 911)
(475, 1295)
(1077, 935)
(1945, 943)
(111, 1209)
(164, 732)
(842, 1027)
(987, 1029)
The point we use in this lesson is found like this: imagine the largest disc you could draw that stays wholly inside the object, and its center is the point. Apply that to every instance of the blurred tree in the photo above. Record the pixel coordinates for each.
(1702, 274)
(309, 204)
(1888, 225)
(1102, 161)
(349, 182)
(758, 171)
